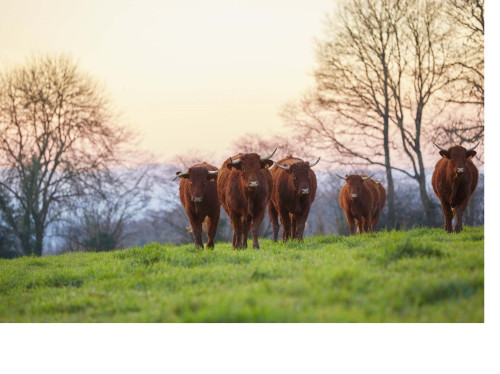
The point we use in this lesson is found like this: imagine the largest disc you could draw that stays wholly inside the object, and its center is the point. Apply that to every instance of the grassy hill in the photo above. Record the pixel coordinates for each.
(423, 275)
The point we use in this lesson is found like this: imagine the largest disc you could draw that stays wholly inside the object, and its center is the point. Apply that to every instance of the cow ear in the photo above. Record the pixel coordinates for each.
(211, 177)
(470, 154)
(231, 166)
(445, 154)
(266, 163)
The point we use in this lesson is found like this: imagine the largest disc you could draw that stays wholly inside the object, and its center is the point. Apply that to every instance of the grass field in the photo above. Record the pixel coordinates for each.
(423, 275)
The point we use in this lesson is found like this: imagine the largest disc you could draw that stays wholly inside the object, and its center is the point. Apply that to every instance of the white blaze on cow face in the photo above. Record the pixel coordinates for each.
(253, 184)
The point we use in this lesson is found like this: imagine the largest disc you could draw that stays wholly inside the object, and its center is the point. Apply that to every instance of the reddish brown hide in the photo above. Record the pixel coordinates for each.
(360, 200)
(244, 186)
(454, 180)
(294, 190)
(198, 195)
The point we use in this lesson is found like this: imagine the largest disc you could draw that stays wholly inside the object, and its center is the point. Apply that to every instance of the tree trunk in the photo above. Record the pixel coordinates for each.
(390, 182)
(38, 245)
(426, 201)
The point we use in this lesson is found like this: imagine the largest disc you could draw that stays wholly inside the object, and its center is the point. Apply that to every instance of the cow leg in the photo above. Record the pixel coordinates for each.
(360, 224)
(246, 229)
(237, 230)
(448, 216)
(255, 229)
(273, 217)
(368, 224)
(459, 212)
(293, 220)
(285, 221)
(197, 228)
(301, 225)
(365, 225)
(213, 222)
(301, 222)
(350, 221)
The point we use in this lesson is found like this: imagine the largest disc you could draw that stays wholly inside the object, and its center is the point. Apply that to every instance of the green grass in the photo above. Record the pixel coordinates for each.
(423, 275)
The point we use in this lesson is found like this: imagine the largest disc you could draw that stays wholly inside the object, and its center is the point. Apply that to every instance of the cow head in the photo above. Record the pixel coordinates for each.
(457, 155)
(354, 183)
(249, 165)
(198, 180)
(300, 173)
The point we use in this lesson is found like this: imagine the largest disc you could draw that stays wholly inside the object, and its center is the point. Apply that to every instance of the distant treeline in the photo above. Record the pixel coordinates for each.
(392, 77)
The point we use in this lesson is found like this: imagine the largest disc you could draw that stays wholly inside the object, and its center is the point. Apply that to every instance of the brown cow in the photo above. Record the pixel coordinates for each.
(359, 199)
(244, 186)
(294, 190)
(198, 194)
(454, 180)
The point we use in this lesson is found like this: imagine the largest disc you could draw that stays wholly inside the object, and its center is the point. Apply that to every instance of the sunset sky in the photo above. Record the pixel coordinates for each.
(187, 74)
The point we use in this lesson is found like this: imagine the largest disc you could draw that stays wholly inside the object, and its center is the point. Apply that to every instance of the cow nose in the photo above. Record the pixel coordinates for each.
(253, 184)
(305, 191)
(354, 195)
(197, 199)
(460, 170)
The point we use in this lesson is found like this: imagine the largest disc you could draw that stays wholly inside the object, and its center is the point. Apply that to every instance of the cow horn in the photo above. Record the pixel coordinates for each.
(234, 162)
(282, 167)
(213, 171)
(341, 177)
(268, 157)
(314, 163)
(471, 149)
(441, 148)
(365, 178)
(180, 174)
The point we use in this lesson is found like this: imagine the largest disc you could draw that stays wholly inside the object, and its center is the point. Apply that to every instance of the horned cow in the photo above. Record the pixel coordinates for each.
(198, 195)
(294, 190)
(359, 198)
(244, 186)
(454, 180)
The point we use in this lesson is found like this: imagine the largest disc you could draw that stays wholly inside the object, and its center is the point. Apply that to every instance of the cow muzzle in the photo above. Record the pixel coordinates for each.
(354, 195)
(253, 184)
(305, 191)
(197, 199)
(460, 170)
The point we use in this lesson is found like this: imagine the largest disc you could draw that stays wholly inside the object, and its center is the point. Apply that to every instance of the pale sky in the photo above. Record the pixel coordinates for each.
(187, 74)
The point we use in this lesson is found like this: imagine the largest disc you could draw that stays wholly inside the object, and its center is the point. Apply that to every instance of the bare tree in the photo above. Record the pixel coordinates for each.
(467, 93)
(7, 241)
(422, 71)
(354, 63)
(57, 132)
(100, 218)
(384, 70)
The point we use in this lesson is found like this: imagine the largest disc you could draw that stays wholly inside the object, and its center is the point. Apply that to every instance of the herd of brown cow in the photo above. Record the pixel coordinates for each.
(247, 184)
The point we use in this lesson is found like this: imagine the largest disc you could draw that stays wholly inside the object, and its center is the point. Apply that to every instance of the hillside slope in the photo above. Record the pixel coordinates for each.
(423, 275)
